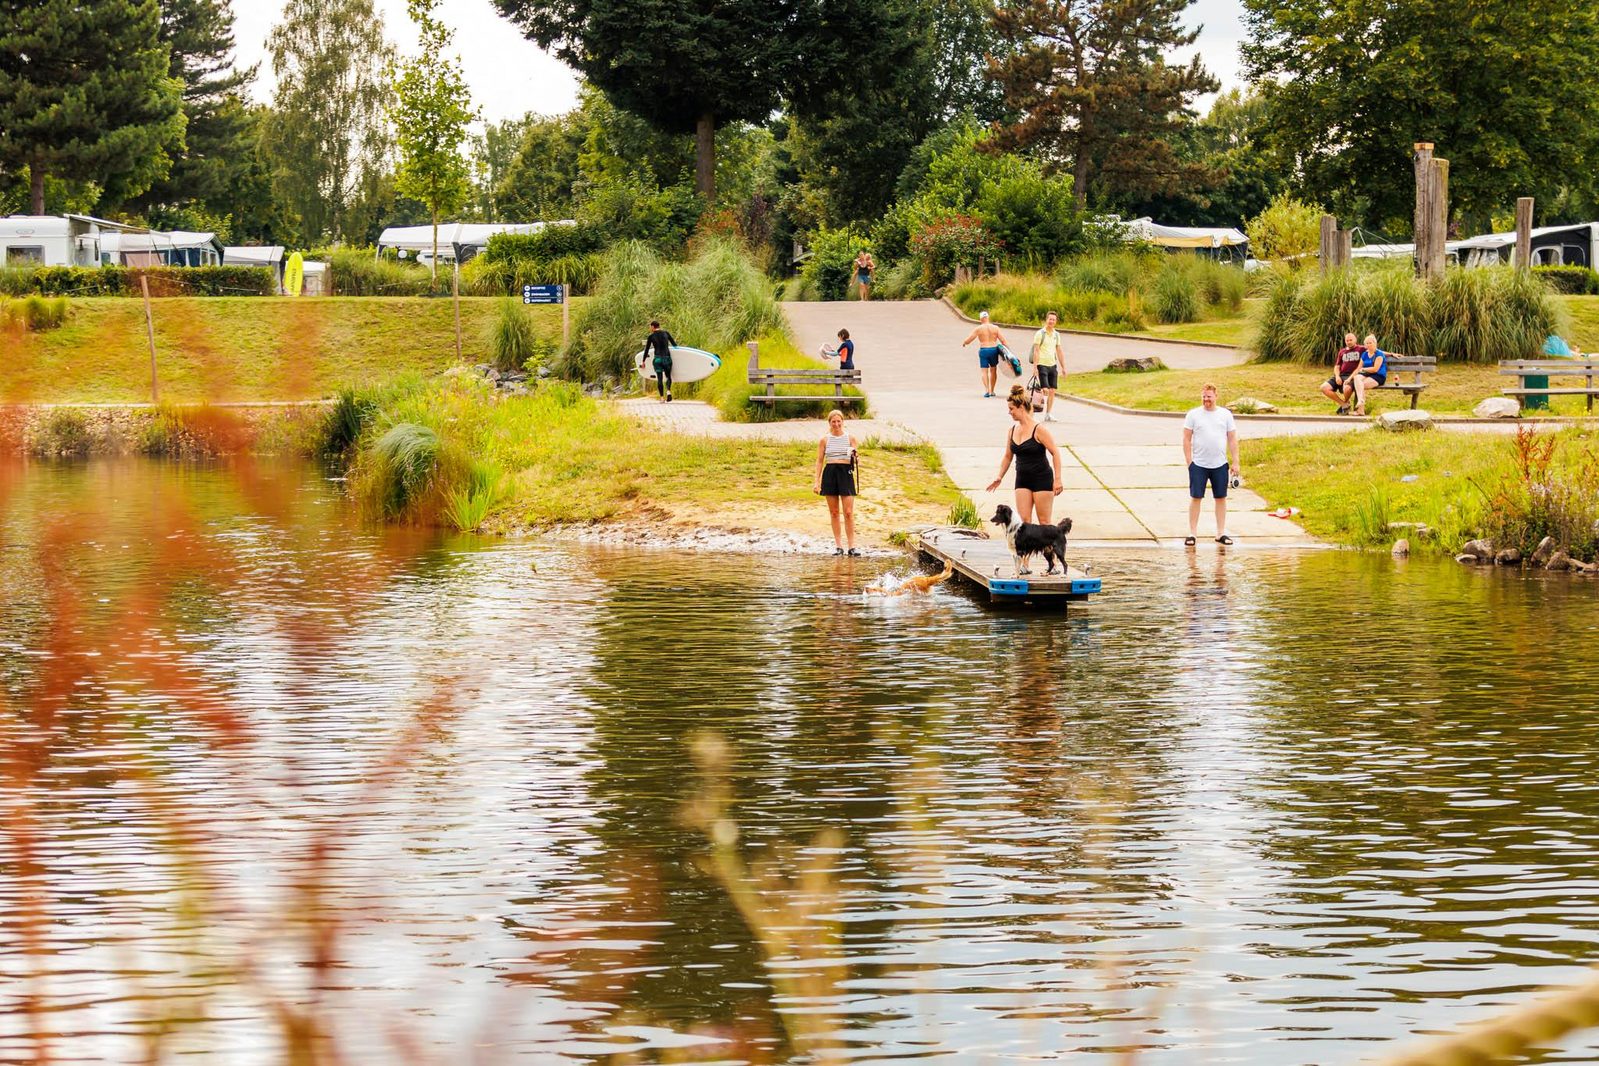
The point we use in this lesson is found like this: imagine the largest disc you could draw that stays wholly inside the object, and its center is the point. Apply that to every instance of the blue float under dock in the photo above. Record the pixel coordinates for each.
(987, 563)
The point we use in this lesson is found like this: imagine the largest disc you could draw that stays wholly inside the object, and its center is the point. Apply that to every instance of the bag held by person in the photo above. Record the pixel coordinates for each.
(1035, 393)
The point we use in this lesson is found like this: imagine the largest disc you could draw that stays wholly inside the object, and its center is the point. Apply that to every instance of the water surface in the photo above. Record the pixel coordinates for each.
(269, 772)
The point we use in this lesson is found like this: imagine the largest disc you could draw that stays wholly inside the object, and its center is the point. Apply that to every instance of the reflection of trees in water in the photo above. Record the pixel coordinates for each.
(1449, 772)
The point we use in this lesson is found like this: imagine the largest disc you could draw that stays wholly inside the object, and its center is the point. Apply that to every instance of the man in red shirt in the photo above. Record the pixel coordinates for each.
(1341, 386)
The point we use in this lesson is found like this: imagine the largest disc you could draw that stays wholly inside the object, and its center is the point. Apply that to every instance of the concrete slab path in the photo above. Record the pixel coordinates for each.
(1124, 476)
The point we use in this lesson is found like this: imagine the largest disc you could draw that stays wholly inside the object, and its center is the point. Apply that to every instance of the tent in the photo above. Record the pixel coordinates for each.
(178, 248)
(259, 255)
(457, 240)
(1194, 237)
(1576, 245)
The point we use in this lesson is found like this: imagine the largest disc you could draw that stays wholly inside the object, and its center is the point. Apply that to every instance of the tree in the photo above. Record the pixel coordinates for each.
(432, 106)
(328, 134)
(492, 154)
(85, 94)
(219, 139)
(1284, 229)
(694, 68)
(1091, 86)
(1492, 83)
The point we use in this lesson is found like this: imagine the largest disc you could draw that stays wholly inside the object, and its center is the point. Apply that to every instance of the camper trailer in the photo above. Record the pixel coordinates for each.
(1576, 245)
(53, 240)
(145, 248)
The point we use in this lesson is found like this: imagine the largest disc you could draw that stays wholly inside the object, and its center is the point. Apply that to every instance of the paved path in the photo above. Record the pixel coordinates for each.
(1124, 477)
(698, 418)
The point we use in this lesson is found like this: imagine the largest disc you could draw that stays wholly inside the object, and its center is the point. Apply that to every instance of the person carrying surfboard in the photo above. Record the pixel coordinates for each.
(659, 345)
(989, 341)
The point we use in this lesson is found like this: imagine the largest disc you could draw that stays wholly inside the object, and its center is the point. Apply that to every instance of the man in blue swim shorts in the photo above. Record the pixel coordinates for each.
(988, 340)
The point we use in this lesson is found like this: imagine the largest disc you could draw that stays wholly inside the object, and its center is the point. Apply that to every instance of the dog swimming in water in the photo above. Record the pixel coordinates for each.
(1027, 539)
(920, 583)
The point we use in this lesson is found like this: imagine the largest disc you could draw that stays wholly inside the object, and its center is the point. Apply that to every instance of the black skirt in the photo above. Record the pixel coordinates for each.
(838, 480)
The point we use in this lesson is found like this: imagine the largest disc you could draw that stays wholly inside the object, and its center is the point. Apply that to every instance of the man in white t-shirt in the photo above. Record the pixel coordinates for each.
(1210, 438)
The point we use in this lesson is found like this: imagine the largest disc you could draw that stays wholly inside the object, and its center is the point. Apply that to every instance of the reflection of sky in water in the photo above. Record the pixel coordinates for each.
(1182, 819)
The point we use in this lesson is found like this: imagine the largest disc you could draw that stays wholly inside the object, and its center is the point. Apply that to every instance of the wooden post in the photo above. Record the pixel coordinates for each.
(1523, 258)
(455, 298)
(1326, 250)
(149, 332)
(1421, 222)
(1438, 231)
(1343, 250)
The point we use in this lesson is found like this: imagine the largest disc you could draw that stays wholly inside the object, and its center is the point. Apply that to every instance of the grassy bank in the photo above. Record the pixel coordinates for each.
(1452, 390)
(558, 457)
(1353, 488)
(244, 348)
(730, 391)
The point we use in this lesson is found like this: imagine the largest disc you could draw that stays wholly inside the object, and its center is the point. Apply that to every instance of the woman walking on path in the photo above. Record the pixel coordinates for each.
(659, 344)
(1032, 446)
(865, 267)
(835, 479)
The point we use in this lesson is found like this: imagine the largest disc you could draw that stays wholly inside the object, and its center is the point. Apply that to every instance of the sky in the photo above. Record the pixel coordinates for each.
(510, 75)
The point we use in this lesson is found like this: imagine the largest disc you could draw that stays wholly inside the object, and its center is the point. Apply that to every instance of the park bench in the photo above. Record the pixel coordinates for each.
(1584, 366)
(1415, 366)
(820, 377)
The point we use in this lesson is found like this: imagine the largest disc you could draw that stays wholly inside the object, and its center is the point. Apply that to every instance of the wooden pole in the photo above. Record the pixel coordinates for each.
(1523, 233)
(149, 332)
(1344, 248)
(1421, 222)
(1327, 250)
(1438, 231)
(455, 298)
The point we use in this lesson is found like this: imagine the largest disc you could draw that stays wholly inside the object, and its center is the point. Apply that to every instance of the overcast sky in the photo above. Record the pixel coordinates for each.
(511, 76)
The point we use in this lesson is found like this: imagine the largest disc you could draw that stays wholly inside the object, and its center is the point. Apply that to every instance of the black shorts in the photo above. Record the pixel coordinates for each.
(1049, 377)
(1036, 480)
(1338, 386)
(1214, 476)
(838, 480)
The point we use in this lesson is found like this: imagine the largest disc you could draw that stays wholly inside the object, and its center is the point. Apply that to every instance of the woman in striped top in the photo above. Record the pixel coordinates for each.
(835, 479)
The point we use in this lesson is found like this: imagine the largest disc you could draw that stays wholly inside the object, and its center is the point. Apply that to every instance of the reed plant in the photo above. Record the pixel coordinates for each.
(1174, 297)
(514, 341)
(468, 505)
(34, 313)
(963, 513)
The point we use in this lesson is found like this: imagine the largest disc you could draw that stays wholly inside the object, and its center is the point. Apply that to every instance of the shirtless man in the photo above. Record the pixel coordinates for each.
(988, 340)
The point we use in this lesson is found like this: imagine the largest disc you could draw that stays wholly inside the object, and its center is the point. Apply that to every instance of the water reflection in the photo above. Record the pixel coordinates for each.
(271, 777)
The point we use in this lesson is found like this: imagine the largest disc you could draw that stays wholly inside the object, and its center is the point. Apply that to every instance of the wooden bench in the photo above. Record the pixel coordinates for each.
(1415, 366)
(772, 377)
(1583, 366)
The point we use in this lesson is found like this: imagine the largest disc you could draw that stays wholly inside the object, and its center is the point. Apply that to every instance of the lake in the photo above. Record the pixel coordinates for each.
(277, 780)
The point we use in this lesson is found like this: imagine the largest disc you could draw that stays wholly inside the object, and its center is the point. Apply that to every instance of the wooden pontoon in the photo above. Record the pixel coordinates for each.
(987, 563)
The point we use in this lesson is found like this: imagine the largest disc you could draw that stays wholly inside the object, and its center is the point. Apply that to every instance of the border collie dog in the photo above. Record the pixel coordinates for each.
(1033, 538)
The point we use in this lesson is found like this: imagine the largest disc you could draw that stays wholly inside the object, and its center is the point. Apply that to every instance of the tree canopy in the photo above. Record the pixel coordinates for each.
(432, 106)
(1501, 87)
(86, 94)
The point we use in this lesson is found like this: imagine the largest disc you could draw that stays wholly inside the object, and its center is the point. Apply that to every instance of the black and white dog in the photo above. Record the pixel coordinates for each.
(1033, 538)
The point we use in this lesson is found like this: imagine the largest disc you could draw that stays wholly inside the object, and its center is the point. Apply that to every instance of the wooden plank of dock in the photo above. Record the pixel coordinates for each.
(988, 564)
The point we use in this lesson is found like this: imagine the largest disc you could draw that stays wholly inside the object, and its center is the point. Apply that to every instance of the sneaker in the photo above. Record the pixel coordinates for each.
(1343, 410)
(854, 551)
(838, 551)
(1049, 418)
(668, 397)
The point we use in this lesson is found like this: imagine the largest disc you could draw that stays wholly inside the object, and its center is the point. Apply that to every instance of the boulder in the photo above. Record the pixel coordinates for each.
(1541, 554)
(1558, 561)
(1134, 365)
(1497, 407)
(1400, 421)
(1248, 405)
(1401, 547)
(456, 371)
(1479, 549)
(1467, 559)
(1508, 557)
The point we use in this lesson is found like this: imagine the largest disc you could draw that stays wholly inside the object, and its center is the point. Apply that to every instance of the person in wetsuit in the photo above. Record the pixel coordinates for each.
(659, 345)
(1031, 446)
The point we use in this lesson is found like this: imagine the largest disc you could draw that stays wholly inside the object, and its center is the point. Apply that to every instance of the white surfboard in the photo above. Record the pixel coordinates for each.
(688, 364)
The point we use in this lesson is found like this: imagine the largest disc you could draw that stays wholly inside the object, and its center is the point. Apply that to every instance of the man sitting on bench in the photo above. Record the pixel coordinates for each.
(1340, 386)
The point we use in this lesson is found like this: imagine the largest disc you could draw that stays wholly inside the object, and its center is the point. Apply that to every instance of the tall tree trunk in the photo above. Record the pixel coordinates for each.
(36, 186)
(1080, 176)
(705, 157)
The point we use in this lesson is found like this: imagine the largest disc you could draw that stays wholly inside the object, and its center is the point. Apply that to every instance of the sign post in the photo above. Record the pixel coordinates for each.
(551, 294)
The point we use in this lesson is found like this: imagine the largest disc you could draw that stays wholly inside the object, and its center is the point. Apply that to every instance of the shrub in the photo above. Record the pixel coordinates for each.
(1552, 490)
(513, 339)
(956, 241)
(124, 281)
(64, 434)
(902, 281)
(963, 514)
(1287, 227)
(551, 242)
(468, 505)
(717, 300)
(399, 468)
(1470, 315)
(36, 313)
(1115, 272)
(357, 272)
(830, 268)
(1024, 299)
(1569, 280)
(729, 389)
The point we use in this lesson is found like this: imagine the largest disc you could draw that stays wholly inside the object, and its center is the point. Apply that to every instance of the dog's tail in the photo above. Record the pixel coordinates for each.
(1065, 525)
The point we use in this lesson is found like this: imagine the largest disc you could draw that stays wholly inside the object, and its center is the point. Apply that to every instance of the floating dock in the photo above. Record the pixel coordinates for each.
(987, 563)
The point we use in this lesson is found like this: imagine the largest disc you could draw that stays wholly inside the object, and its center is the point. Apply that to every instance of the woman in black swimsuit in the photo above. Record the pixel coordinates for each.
(1030, 444)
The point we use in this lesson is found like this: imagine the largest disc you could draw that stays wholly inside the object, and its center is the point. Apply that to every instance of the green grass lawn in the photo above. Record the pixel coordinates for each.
(244, 348)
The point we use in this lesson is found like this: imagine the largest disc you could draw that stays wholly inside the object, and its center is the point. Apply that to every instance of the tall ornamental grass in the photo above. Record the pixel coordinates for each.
(1468, 316)
(717, 300)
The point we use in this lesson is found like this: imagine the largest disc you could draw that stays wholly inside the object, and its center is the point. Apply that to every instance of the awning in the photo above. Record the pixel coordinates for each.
(455, 236)
(1143, 229)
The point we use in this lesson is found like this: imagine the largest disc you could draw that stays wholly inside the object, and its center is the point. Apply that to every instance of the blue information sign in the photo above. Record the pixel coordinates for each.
(543, 294)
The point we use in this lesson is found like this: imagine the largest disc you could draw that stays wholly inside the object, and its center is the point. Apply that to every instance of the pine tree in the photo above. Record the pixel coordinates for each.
(85, 95)
(432, 107)
(328, 134)
(1091, 86)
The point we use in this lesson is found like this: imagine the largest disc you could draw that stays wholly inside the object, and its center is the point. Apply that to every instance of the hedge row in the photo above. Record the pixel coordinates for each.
(124, 281)
(552, 242)
(1570, 280)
